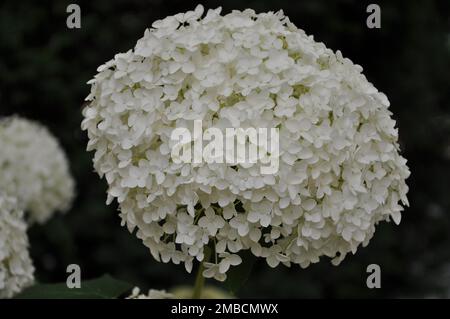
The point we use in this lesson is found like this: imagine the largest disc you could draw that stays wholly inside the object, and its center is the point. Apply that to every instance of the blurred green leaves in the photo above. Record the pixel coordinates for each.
(104, 287)
(238, 276)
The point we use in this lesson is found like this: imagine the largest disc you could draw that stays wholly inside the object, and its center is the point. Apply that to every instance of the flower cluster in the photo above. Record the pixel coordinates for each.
(16, 268)
(152, 294)
(34, 169)
(181, 292)
(340, 172)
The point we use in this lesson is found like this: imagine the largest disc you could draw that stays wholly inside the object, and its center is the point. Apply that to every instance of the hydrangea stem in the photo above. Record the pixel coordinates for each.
(199, 279)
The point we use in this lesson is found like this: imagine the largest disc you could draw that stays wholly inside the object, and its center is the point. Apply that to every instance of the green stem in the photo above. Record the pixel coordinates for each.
(199, 279)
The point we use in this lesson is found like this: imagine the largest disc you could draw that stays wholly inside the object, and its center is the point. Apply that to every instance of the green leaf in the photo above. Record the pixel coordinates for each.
(237, 276)
(104, 287)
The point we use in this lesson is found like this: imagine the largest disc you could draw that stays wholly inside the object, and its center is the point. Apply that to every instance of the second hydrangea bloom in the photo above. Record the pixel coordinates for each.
(16, 267)
(34, 169)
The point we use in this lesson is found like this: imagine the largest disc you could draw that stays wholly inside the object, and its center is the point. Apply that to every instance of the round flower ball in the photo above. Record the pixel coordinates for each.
(34, 169)
(340, 172)
(16, 268)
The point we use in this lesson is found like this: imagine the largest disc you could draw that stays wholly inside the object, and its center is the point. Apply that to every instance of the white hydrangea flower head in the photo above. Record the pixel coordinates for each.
(152, 294)
(16, 267)
(340, 171)
(34, 169)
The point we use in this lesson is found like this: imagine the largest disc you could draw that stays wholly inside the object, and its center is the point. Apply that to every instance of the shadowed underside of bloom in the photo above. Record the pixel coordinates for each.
(34, 169)
(16, 268)
(340, 172)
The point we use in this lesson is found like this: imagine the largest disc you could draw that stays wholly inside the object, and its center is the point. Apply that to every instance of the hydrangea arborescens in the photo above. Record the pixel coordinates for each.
(34, 169)
(340, 172)
(16, 268)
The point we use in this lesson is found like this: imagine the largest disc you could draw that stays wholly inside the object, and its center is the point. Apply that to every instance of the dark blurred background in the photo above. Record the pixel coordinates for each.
(44, 67)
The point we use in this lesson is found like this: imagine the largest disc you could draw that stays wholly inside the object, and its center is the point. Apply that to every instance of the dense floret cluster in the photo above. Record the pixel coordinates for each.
(340, 172)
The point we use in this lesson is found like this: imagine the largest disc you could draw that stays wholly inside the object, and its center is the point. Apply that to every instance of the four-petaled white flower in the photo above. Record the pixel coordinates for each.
(212, 271)
(228, 260)
(211, 221)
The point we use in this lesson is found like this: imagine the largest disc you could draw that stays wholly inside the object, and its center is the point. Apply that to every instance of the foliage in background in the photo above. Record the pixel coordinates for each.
(43, 70)
(104, 287)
